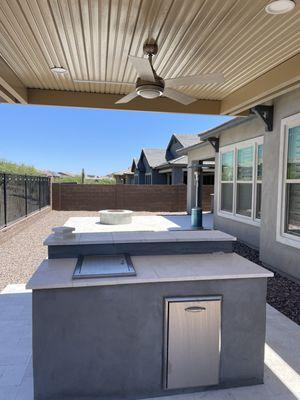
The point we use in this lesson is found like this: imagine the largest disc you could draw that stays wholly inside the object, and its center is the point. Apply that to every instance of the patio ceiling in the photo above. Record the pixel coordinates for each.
(258, 53)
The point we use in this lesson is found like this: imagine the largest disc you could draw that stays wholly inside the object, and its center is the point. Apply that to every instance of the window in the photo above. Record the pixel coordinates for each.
(227, 181)
(185, 177)
(241, 180)
(288, 222)
(244, 181)
(148, 179)
(208, 179)
(169, 178)
(259, 172)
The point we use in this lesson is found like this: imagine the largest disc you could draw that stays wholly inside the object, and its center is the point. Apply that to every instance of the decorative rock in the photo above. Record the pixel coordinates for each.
(63, 232)
(115, 217)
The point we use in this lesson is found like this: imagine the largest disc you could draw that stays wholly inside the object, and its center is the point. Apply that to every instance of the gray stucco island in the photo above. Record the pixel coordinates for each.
(183, 323)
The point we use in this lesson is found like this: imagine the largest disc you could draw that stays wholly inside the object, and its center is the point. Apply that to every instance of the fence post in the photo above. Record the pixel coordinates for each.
(25, 188)
(39, 180)
(5, 199)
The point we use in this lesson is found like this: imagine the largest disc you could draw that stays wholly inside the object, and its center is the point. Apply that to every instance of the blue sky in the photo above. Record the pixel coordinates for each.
(101, 141)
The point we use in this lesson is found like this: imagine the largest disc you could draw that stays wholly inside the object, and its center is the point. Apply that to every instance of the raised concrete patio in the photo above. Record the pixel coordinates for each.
(282, 356)
(154, 223)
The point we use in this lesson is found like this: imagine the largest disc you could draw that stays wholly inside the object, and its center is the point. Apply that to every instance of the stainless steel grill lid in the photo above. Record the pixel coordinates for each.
(103, 266)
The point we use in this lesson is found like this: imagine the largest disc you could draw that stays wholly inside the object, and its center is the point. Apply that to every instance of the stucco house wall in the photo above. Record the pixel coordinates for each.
(252, 128)
(280, 256)
(245, 231)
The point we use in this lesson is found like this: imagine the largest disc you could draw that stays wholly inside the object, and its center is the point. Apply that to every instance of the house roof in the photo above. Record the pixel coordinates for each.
(217, 131)
(126, 171)
(185, 150)
(179, 161)
(223, 127)
(187, 140)
(134, 163)
(155, 157)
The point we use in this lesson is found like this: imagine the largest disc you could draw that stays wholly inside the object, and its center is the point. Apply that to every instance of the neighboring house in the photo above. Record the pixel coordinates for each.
(175, 171)
(257, 185)
(135, 171)
(50, 174)
(163, 166)
(175, 167)
(124, 177)
(167, 166)
(147, 165)
(65, 174)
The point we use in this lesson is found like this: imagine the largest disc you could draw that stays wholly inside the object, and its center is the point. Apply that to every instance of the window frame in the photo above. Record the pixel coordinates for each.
(254, 143)
(228, 150)
(258, 181)
(282, 236)
(148, 175)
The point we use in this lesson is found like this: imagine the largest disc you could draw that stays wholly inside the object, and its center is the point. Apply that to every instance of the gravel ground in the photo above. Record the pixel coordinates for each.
(24, 251)
(282, 294)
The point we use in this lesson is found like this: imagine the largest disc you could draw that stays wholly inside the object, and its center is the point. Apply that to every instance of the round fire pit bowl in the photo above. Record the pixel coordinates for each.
(115, 217)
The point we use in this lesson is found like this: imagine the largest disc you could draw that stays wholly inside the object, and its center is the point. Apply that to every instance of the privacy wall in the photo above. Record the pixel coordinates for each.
(133, 197)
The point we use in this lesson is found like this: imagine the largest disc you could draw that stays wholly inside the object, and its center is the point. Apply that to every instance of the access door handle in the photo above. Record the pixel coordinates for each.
(195, 309)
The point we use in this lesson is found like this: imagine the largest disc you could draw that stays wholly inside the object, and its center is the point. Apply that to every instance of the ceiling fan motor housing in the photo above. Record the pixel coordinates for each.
(150, 48)
(149, 90)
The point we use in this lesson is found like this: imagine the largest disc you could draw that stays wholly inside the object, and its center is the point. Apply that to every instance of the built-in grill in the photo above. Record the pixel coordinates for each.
(103, 266)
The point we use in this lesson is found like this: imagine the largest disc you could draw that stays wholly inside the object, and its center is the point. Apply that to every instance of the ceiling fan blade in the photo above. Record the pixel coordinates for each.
(102, 82)
(195, 80)
(178, 96)
(127, 98)
(143, 68)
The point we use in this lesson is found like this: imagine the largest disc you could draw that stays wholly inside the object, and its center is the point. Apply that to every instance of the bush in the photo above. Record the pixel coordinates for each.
(22, 169)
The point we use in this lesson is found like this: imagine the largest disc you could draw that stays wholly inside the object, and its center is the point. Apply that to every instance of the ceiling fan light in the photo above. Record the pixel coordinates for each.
(58, 70)
(280, 6)
(149, 91)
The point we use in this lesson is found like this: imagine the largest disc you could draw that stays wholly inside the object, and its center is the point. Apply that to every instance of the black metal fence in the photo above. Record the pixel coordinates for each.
(21, 195)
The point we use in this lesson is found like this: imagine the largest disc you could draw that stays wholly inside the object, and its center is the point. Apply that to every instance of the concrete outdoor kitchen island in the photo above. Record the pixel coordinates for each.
(184, 322)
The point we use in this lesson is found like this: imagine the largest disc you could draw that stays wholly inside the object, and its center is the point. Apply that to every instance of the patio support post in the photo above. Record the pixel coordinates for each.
(197, 210)
(200, 184)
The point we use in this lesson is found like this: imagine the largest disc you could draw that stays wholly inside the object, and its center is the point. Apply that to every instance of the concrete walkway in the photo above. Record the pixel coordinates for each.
(282, 356)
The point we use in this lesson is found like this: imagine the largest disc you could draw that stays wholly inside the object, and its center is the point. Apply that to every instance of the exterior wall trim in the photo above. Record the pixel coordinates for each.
(281, 236)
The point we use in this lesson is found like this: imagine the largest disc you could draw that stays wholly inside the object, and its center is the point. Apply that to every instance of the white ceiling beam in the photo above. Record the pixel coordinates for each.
(279, 80)
(107, 101)
(6, 97)
(12, 84)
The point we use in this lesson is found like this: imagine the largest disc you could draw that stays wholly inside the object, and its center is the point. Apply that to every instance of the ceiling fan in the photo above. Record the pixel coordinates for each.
(150, 86)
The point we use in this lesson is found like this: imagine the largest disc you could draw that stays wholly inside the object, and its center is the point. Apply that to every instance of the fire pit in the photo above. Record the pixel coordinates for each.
(115, 217)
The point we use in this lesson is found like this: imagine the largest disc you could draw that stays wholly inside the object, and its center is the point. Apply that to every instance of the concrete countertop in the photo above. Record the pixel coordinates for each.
(57, 273)
(139, 237)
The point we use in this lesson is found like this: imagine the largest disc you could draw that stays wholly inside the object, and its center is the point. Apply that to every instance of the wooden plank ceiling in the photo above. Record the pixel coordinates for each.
(92, 39)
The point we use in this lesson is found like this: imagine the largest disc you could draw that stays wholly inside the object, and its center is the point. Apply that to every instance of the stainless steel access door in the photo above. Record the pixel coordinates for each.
(192, 342)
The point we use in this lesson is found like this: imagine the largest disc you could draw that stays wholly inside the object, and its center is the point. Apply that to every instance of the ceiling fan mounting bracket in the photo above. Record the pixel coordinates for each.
(158, 82)
(150, 48)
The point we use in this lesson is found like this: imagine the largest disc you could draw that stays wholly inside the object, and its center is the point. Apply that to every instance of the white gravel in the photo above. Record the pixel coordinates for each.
(24, 251)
